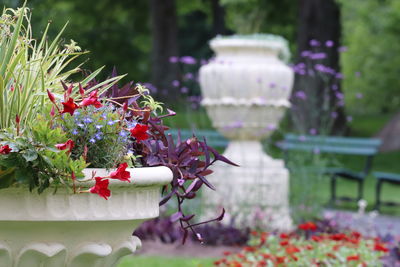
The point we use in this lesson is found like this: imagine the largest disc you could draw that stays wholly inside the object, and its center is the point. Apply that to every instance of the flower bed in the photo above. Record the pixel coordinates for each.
(308, 247)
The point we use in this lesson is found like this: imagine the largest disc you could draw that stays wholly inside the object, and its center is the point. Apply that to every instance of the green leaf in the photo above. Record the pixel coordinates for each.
(7, 177)
(30, 155)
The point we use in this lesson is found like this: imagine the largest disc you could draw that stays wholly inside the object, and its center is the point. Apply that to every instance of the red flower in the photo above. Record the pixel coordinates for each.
(284, 243)
(284, 236)
(380, 247)
(353, 258)
(121, 173)
(249, 249)
(4, 150)
(338, 237)
(316, 238)
(356, 235)
(227, 253)
(101, 188)
(292, 249)
(69, 106)
(67, 145)
(280, 259)
(308, 226)
(91, 100)
(309, 247)
(139, 132)
(330, 255)
(51, 96)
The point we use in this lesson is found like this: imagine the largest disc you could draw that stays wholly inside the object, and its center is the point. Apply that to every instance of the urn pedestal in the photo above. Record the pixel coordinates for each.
(245, 92)
(65, 230)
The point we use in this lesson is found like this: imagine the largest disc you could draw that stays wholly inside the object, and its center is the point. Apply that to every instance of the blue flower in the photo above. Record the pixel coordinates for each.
(98, 127)
(123, 134)
(87, 120)
(98, 136)
(74, 132)
(112, 122)
(81, 125)
(92, 140)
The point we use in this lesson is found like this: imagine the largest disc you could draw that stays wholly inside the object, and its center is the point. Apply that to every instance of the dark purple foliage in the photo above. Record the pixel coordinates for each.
(189, 160)
(166, 231)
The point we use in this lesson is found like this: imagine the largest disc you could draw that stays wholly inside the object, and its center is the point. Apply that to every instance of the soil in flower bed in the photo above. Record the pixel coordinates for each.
(189, 250)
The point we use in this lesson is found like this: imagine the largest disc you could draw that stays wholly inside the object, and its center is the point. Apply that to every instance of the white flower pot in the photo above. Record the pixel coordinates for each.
(62, 229)
(245, 92)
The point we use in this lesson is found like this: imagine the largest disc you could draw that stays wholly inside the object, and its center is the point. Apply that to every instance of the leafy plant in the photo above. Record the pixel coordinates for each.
(29, 67)
(35, 161)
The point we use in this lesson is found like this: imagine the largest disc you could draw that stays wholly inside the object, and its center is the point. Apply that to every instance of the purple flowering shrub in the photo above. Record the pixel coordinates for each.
(318, 103)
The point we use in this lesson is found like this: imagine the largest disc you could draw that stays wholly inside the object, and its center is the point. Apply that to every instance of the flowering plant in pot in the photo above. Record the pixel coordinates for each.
(82, 164)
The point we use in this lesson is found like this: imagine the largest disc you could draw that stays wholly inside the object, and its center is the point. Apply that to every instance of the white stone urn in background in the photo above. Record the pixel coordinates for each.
(81, 230)
(245, 92)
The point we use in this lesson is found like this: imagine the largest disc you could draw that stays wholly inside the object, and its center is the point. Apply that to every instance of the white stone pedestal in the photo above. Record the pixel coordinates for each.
(83, 230)
(245, 92)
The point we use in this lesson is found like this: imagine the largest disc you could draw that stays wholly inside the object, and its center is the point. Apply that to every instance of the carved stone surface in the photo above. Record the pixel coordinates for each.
(245, 91)
(60, 230)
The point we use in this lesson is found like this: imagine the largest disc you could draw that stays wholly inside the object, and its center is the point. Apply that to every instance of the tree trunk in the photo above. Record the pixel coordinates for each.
(322, 107)
(218, 18)
(390, 135)
(165, 45)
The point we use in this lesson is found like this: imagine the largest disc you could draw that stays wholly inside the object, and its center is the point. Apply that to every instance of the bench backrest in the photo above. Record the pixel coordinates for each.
(331, 144)
(213, 138)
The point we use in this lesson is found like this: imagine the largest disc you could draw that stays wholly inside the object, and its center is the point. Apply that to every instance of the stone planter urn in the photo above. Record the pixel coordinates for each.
(83, 230)
(245, 92)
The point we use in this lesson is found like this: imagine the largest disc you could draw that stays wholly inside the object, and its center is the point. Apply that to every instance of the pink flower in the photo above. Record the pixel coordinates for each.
(91, 100)
(121, 173)
(101, 188)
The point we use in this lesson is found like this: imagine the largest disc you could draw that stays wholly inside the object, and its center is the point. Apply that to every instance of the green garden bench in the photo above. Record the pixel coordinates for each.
(213, 138)
(384, 177)
(365, 147)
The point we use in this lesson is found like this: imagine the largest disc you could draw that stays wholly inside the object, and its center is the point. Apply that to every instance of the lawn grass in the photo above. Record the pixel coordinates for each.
(156, 261)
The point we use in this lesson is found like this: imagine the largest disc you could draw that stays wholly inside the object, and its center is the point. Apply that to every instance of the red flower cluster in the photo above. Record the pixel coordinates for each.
(4, 150)
(69, 105)
(101, 186)
(308, 226)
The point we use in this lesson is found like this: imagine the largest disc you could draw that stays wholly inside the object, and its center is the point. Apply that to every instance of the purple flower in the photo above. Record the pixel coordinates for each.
(98, 127)
(181, 182)
(357, 74)
(335, 87)
(349, 118)
(329, 43)
(272, 85)
(305, 53)
(123, 134)
(302, 138)
(175, 83)
(203, 62)
(112, 122)
(301, 95)
(316, 151)
(314, 43)
(271, 127)
(188, 60)
(334, 114)
(80, 125)
(339, 75)
(339, 95)
(189, 76)
(74, 132)
(173, 59)
(92, 140)
(317, 56)
(342, 49)
(184, 90)
(359, 95)
(313, 131)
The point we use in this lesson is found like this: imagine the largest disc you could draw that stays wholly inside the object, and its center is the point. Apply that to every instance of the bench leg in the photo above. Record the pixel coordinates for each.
(333, 191)
(378, 189)
(360, 189)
